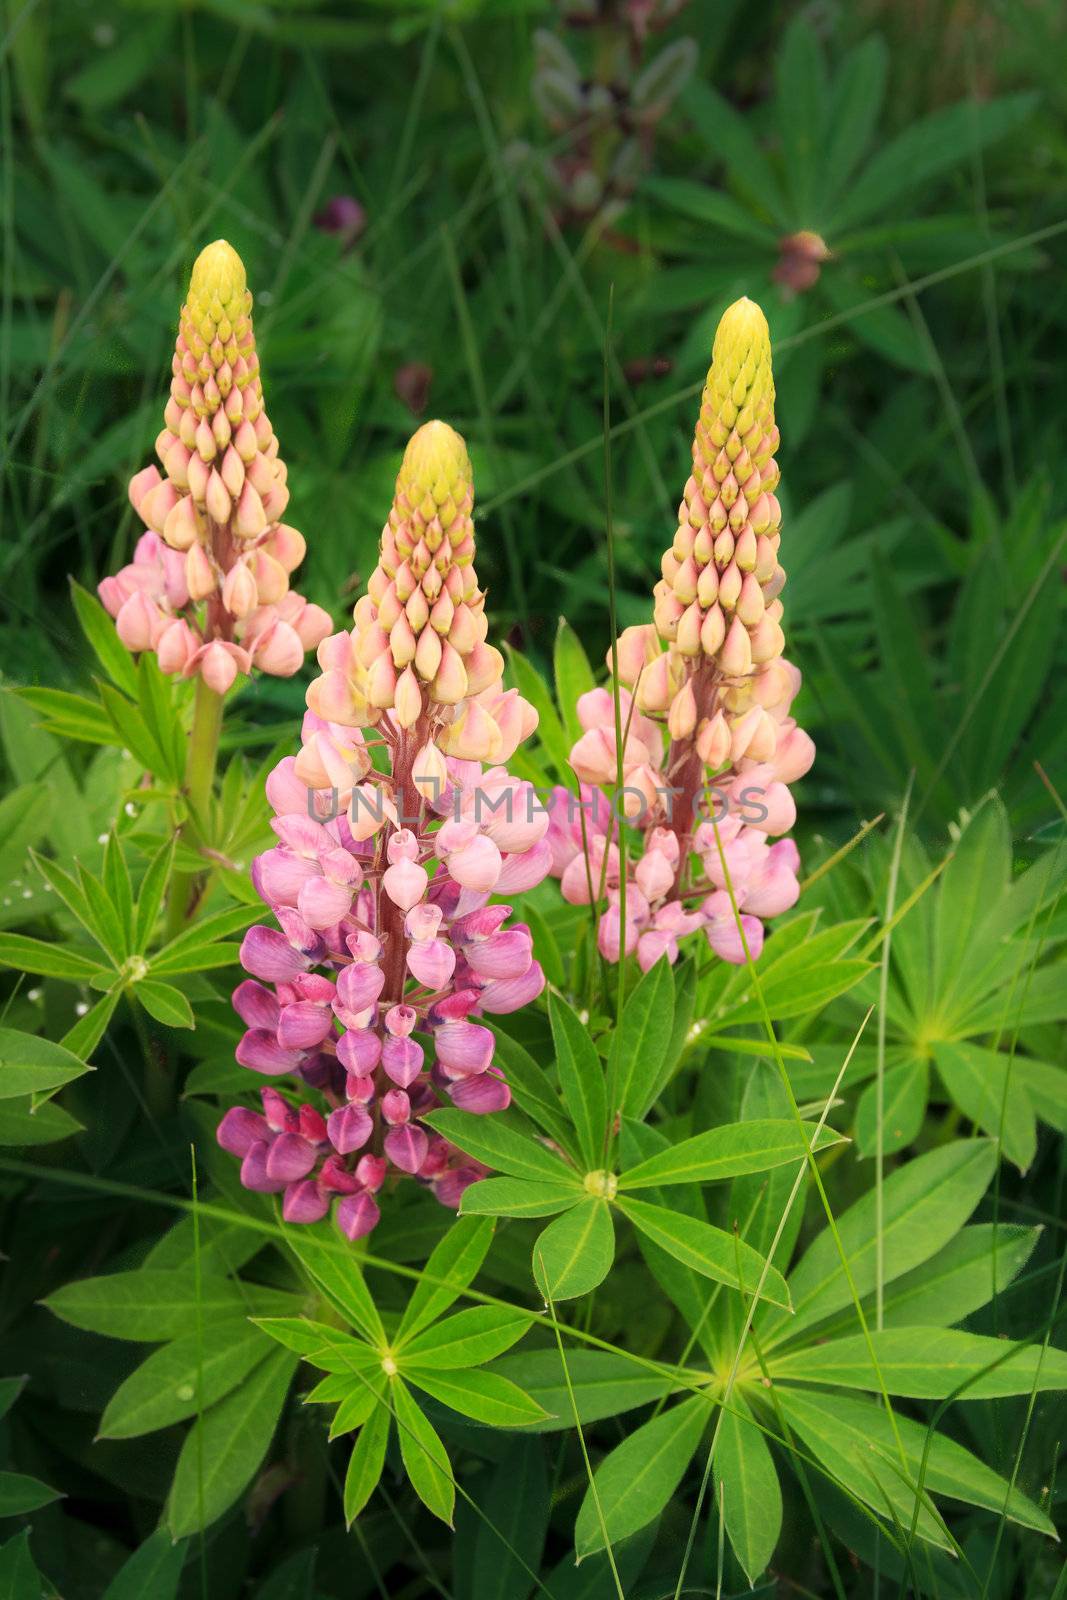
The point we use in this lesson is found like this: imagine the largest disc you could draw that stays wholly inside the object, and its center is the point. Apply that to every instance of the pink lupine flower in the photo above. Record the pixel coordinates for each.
(387, 951)
(208, 587)
(708, 673)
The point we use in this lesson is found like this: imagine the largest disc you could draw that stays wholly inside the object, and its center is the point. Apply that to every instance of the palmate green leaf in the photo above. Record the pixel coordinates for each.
(165, 1003)
(425, 1457)
(108, 648)
(71, 716)
(861, 1428)
(336, 1271)
(574, 1254)
(801, 104)
(924, 1203)
(728, 1151)
(708, 1250)
(867, 1465)
(23, 1123)
(581, 1077)
(573, 675)
(640, 1044)
(519, 1197)
(967, 933)
(603, 1384)
(467, 1338)
(82, 1038)
(483, 1395)
(32, 1065)
(131, 731)
(904, 1095)
(154, 1570)
(491, 1140)
(180, 1378)
(20, 1494)
(728, 137)
(639, 1477)
(927, 1364)
(18, 950)
(223, 1450)
(452, 1265)
(983, 1083)
(747, 1485)
(152, 1306)
(366, 1462)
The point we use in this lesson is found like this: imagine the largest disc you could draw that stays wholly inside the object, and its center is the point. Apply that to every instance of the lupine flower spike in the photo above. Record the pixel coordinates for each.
(208, 587)
(709, 674)
(386, 946)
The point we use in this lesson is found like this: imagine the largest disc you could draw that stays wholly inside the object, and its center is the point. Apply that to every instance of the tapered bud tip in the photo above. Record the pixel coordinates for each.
(741, 326)
(436, 457)
(218, 272)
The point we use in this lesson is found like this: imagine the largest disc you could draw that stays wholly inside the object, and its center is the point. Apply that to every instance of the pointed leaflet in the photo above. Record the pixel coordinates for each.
(481, 1394)
(175, 1381)
(575, 1252)
(989, 1092)
(452, 1265)
(467, 1338)
(151, 1306)
(491, 1140)
(924, 1204)
(861, 1428)
(581, 1076)
(366, 1462)
(928, 1364)
(640, 1043)
(872, 1471)
(32, 1065)
(603, 1384)
(154, 1570)
(574, 677)
(333, 1268)
(518, 1197)
(708, 1250)
(530, 1089)
(511, 1538)
(748, 1489)
(223, 1449)
(425, 1458)
(640, 1476)
(904, 1092)
(977, 1264)
(728, 1151)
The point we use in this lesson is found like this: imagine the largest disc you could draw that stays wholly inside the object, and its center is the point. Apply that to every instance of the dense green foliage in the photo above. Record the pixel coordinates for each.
(810, 1341)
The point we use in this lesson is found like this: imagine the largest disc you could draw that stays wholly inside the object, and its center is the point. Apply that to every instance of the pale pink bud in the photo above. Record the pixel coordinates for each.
(219, 665)
(477, 866)
(654, 874)
(682, 717)
(713, 741)
(450, 682)
(141, 483)
(636, 648)
(176, 646)
(199, 574)
(139, 622)
(407, 701)
(429, 773)
(793, 755)
(735, 658)
(278, 650)
(432, 962)
(239, 593)
(405, 883)
(594, 757)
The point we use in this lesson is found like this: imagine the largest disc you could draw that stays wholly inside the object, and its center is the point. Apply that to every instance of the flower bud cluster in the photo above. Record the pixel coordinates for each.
(386, 948)
(708, 745)
(208, 588)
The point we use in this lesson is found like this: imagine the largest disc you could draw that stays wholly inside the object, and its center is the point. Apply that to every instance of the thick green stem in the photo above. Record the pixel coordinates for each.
(199, 786)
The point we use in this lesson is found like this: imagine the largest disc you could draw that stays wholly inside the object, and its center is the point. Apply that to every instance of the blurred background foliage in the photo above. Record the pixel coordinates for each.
(435, 204)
